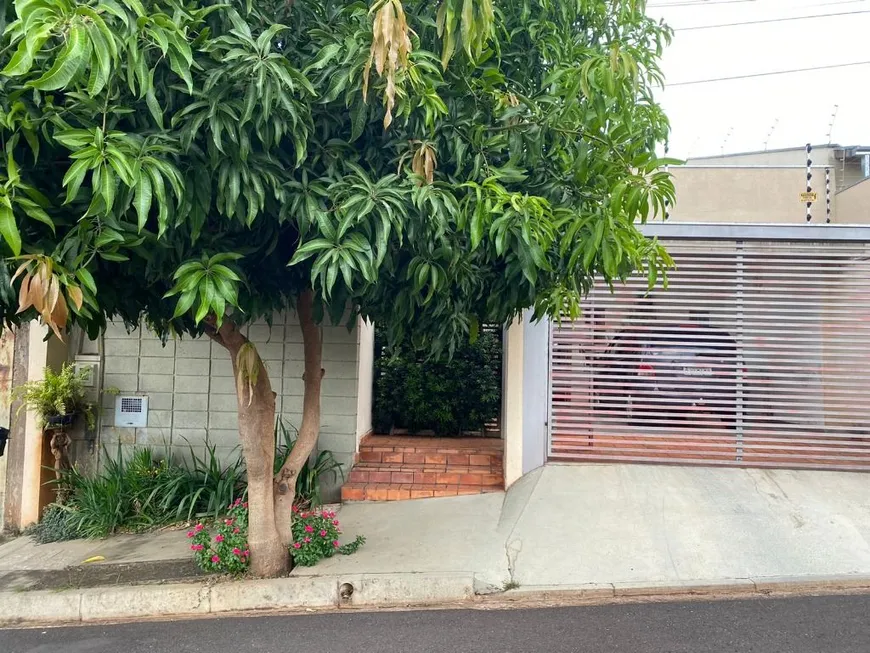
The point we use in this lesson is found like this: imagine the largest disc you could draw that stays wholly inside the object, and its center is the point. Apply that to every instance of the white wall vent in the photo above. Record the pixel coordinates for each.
(131, 410)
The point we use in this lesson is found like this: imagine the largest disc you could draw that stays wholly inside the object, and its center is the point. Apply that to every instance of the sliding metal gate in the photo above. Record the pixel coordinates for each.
(757, 354)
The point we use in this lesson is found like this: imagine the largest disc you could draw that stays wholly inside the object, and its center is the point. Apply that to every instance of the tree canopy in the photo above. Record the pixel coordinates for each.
(431, 165)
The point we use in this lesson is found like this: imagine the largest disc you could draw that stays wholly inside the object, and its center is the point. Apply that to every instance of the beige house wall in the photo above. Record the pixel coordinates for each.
(191, 390)
(853, 204)
(744, 194)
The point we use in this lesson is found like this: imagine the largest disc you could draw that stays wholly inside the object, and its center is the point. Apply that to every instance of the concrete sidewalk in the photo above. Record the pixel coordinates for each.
(574, 526)
(607, 530)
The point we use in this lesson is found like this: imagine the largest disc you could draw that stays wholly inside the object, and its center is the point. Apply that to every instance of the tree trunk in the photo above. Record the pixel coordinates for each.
(285, 480)
(256, 406)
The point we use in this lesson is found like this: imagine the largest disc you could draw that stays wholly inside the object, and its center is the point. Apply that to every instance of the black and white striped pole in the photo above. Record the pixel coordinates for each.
(828, 195)
(809, 181)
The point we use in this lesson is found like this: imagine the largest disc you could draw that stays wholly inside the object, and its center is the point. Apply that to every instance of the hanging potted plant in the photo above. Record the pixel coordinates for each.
(59, 398)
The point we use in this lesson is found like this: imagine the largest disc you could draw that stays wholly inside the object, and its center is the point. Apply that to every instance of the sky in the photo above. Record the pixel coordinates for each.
(779, 110)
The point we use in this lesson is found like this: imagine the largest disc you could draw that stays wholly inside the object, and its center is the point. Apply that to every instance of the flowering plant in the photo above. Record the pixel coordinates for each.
(315, 536)
(225, 551)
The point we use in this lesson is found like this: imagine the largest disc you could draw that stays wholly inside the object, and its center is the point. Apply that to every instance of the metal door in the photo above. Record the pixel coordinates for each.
(757, 354)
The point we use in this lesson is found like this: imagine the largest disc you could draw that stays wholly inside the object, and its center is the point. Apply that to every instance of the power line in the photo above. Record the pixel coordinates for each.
(771, 20)
(768, 74)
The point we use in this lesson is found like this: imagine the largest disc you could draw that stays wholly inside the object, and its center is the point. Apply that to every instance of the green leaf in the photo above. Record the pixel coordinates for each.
(87, 280)
(101, 60)
(309, 249)
(8, 228)
(107, 187)
(21, 61)
(69, 62)
(159, 190)
(142, 199)
(153, 104)
(35, 212)
(185, 301)
(358, 117)
(327, 53)
(74, 177)
(181, 68)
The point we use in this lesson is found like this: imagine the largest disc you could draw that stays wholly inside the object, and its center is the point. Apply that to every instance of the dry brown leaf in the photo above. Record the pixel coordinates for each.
(37, 293)
(24, 301)
(75, 296)
(58, 317)
(391, 47)
(52, 295)
(42, 290)
(424, 162)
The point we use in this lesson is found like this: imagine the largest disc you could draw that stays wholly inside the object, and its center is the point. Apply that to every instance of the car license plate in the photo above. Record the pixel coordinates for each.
(698, 371)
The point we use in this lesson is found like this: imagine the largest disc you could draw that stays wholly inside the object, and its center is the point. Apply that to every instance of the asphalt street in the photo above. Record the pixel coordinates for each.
(833, 624)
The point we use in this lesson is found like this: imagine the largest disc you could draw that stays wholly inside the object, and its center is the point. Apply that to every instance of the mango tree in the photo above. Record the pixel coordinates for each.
(197, 165)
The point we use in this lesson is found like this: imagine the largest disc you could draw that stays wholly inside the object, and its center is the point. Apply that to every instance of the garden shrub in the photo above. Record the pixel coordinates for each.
(226, 551)
(315, 537)
(224, 548)
(448, 397)
(58, 524)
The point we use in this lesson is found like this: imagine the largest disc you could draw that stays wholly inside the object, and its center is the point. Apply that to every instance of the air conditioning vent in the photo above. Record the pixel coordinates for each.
(131, 411)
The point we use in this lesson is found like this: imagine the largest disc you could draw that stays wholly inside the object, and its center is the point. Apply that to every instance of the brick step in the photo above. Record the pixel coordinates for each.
(430, 457)
(362, 473)
(402, 491)
(437, 469)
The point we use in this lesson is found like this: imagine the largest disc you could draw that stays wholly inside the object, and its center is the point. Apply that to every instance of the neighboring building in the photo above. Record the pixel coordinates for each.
(765, 187)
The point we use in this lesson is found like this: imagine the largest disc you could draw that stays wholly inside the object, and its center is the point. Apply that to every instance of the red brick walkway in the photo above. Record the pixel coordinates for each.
(391, 468)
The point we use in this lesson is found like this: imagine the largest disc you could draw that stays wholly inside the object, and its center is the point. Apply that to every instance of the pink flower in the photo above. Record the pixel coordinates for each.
(304, 515)
(215, 558)
(307, 540)
(245, 505)
(246, 553)
(295, 509)
(197, 547)
(198, 528)
(238, 502)
(228, 522)
(323, 533)
(218, 538)
(335, 543)
(296, 545)
(189, 533)
(236, 531)
(335, 522)
(237, 551)
(309, 528)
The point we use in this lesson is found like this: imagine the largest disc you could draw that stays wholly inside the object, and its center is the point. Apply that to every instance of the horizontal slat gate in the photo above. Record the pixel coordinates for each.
(757, 354)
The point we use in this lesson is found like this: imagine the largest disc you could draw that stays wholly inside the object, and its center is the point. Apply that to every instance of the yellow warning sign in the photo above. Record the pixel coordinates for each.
(809, 197)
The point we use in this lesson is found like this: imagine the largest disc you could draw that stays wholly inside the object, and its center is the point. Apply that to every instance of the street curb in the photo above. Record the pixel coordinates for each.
(70, 606)
(761, 585)
(174, 600)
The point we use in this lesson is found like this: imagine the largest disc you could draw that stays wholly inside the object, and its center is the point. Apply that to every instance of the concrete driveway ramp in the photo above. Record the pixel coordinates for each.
(581, 525)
